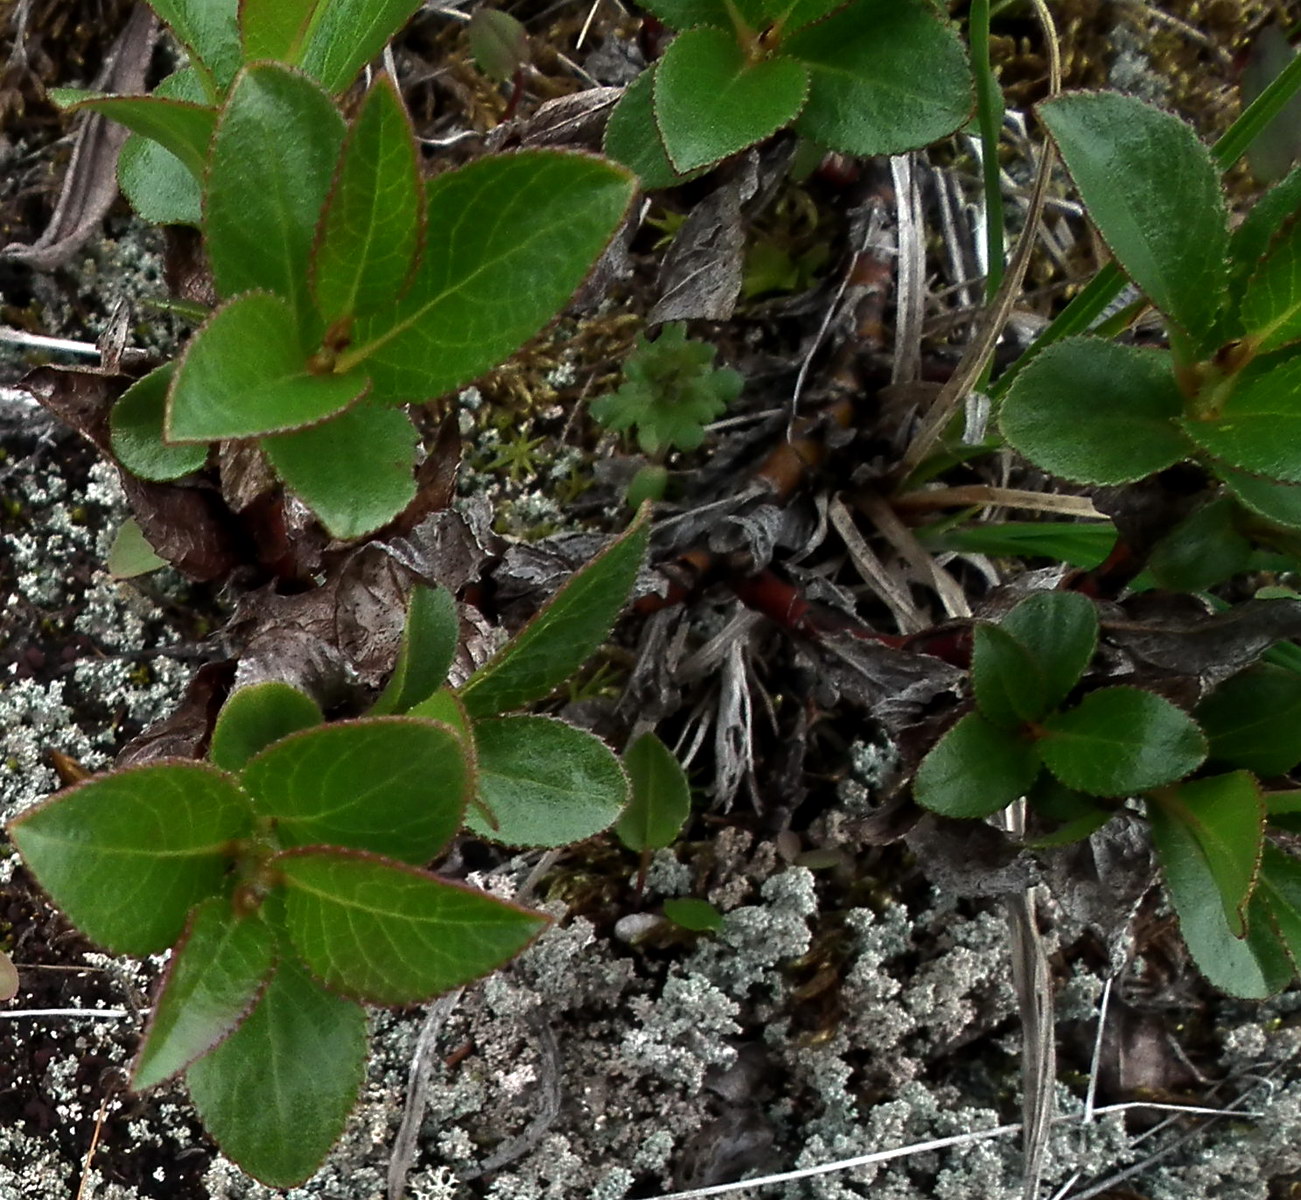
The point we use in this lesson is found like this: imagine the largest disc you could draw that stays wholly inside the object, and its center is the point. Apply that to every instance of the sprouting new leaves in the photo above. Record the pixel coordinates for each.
(661, 796)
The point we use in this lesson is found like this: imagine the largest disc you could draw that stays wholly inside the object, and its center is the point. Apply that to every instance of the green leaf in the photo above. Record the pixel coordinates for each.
(254, 717)
(1080, 545)
(397, 786)
(354, 471)
(428, 647)
(1277, 503)
(160, 187)
(516, 235)
(445, 706)
(975, 770)
(212, 982)
(1253, 720)
(633, 139)
(545, 782)
(390, 934)
(1251, 967)
(1249, 243)
(346, 34)
(791, 15)
(1258, 428)
(136, 430)
(128, 854)
(1061, 630)
(885, 76)
(1005, 678)
(1279, 894)
(272, 161)
(1204, 549)
(244, 374)
(1120, 741)
(661, 795)
(698, 916)
(370, 229)
(275, 28)
(1271, 305)
(1095, 412)
(209, 30)
(131, 555)
(499, 43)
(711, 101)
(565, 632)
(276, 1094)
(1150, 187)
(180, 127)
(1225, 816)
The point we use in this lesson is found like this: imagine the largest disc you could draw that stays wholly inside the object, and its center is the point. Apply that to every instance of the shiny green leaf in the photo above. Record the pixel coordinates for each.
(272, 160)
(565, 633)
(1061, 630)
(1252, 967)
(428, 647)
(209, 30)
(661, 796)
(254, 717)
(711, 101)
(244, 374)
(127, 855)
(390, 934)
(396, 786)
(276, 1094)
(516, 234)
(346, 34)
(1271, 305)
(1225, 817)
(136, 430)
(1121, 741)
(1096, 412)
(354, 471)
(180, 127)
(884, 76)
(1253, 720)
(1005, 678)
(633, 139)
(545, 782)
(160, 187)
(212, 982)
(371, 226)
(1259, 426)
(1152, 190)
(975, 770)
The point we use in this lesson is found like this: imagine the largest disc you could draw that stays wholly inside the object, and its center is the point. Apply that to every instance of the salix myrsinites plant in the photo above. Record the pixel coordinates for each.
(348, 286)
(288, 871)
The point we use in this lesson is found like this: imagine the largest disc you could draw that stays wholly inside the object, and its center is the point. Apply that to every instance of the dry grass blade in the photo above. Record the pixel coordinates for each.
(990, 328)
(90, 185)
